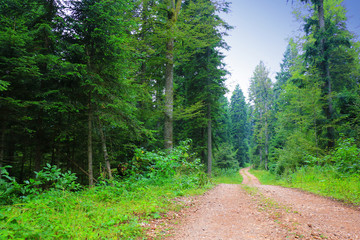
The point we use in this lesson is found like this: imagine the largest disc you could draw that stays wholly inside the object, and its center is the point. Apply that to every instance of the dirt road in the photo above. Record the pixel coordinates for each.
(254, 211)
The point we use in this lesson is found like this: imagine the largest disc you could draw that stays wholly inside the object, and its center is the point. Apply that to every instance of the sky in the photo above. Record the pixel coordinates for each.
(261, 33)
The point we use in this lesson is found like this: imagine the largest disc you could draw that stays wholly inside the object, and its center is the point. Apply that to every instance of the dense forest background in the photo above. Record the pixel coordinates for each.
(87, 85)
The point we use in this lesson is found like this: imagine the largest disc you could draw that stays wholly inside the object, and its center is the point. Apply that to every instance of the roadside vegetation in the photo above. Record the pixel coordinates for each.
(228, 176)
(336, 175)
(305, 124)
(54, 206)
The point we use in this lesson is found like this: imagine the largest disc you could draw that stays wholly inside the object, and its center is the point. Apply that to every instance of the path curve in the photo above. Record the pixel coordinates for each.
(248, 178)
(269, 212)
(314, 216)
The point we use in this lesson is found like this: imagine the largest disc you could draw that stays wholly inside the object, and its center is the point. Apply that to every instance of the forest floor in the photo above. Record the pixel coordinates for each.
(255, 211)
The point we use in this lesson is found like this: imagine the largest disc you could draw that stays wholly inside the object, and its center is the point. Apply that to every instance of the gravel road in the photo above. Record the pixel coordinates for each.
(254, 211)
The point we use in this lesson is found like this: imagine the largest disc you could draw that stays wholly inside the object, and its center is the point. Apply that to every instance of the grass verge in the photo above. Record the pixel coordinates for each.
(324, 181)
(98, 213)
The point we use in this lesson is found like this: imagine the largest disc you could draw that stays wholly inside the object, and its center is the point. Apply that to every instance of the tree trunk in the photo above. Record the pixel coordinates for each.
(321, 15)
(106, 156)
(90, 156)
(173, 12)
(169, 94)
(209, 142)
(329, 111)
(2, 145)
(23, 160)
(266, 144)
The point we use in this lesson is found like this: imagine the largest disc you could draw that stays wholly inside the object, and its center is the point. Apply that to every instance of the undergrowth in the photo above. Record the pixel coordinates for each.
(98, 213)
(53, 206)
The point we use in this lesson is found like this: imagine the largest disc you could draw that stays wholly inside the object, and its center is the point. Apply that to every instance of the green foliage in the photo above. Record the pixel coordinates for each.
(158, 167)
(50, 178)
(344, 158)
(240, 130)
(261, 99)
(334, 175)
(227, 176)
(225, 157)
(8, 186)
(327, 181)
(110, 212)
(115, 209)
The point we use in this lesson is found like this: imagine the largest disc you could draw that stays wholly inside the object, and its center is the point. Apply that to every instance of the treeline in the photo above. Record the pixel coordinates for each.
(310, 115)
(83, 83)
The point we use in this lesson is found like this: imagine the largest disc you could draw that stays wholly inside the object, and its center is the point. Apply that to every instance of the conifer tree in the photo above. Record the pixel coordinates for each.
(240, 129)
(261, 97)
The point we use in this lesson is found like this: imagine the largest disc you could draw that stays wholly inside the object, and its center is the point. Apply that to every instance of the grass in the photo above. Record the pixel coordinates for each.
(97, 213)
(328, 182)
(228, 177)
(267, 178)
(324, 181)
(122, 211)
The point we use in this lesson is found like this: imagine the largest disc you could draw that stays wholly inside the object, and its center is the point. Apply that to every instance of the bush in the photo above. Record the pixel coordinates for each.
(347, 157)
(161, 166)
(8, 187)
(49, 178)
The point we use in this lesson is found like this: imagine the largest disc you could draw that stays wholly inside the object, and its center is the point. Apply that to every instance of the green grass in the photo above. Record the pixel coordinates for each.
(328, 182)
(323, 181)
(228, 177)
(98, 213)
(267, 178)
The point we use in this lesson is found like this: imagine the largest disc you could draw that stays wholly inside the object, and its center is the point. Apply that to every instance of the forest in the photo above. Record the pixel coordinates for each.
(128, 96)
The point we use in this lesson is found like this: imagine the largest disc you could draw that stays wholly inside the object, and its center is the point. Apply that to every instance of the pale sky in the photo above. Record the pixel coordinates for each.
(262, 30)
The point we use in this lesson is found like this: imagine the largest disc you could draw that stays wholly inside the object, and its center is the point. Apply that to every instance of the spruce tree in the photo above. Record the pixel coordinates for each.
(240, 129)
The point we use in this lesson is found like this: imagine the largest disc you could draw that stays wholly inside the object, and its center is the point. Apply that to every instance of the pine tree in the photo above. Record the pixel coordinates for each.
(261, 95)
(240, 129)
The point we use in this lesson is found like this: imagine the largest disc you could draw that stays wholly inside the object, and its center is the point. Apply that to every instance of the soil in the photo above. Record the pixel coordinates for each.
(255, 211)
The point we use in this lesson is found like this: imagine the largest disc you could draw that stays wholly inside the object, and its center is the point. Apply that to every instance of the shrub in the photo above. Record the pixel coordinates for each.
(49, 178)
(8, 186)
(346, 157)
(161, 166)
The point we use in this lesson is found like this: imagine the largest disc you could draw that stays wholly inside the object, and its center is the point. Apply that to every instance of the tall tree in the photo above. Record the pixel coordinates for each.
(327, 31)
(240, 129)
(105, 55)
(173, 10)
(200, 73)
(261, 94)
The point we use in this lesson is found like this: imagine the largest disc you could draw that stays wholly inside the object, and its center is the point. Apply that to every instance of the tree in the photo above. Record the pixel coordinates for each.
(326, 31)
(261, 94)
(200, 72)
(287, 67)
(240, 129)
(173, 10)
(100, 35)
